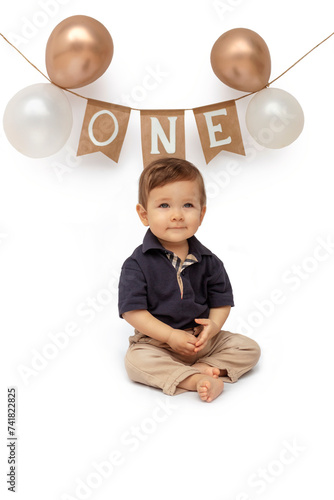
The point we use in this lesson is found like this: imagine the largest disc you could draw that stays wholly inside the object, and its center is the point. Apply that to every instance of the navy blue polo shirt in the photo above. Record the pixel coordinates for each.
(149, 281)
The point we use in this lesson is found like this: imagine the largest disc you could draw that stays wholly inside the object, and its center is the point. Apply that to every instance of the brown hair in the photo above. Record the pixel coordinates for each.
(167, 170)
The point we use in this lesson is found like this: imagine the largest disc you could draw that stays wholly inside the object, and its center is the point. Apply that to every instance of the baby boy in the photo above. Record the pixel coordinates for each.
(176, 293)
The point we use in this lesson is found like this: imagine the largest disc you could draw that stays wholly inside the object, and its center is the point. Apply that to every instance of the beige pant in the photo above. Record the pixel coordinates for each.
(153, 363)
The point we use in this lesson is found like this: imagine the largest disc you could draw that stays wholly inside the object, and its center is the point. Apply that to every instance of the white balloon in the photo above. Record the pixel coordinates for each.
(274, 118)
(38, 120)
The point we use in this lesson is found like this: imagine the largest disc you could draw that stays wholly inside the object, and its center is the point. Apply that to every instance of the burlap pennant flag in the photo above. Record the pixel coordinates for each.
(219, 129)
(103, 129)
(162, 134)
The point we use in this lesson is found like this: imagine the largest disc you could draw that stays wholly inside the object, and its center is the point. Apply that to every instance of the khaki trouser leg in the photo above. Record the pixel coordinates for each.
(153, 363)
(157, 367)
(232, 352)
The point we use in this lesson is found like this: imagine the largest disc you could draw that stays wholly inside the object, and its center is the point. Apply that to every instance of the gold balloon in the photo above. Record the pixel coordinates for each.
(241, 59)
(78, 52)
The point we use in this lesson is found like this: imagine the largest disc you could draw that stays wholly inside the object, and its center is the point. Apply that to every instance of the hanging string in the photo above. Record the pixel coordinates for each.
(301, 59)
(63, 88)
(187, 109)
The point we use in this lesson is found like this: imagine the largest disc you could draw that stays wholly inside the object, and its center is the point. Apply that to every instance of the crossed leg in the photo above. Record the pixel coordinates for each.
(208, 387)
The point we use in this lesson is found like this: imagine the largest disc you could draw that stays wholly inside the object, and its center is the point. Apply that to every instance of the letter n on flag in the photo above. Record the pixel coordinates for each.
(162, 134)
(103, 129)
(219, 129)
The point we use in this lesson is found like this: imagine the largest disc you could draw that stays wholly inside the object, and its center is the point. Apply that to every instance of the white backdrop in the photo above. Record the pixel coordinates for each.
(67, 224)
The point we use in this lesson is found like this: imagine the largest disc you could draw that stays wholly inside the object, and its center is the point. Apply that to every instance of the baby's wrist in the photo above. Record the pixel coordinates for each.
(169, 335)
(215, 329)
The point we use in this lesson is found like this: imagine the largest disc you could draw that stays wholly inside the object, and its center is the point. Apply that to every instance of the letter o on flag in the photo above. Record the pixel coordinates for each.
(91, 124)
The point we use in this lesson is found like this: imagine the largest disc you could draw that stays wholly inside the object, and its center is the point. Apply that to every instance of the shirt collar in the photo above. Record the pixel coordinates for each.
(151, 242)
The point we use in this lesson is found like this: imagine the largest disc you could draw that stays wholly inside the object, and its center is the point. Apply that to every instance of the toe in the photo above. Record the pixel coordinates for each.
(203, 389)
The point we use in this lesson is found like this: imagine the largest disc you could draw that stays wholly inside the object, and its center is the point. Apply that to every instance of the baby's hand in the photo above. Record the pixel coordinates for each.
(182, 342)
(210, 329)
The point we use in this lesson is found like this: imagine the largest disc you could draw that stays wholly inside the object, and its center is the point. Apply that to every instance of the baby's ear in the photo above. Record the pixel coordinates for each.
(142, 212)
(203, 210)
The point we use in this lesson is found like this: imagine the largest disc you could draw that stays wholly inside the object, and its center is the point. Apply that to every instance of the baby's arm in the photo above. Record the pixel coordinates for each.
(179, 340)
(212, 325)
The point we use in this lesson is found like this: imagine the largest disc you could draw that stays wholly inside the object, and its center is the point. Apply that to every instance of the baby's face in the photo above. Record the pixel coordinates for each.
(173, 211)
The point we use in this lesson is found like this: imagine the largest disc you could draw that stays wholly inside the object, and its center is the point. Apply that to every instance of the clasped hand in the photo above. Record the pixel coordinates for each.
(183, 342)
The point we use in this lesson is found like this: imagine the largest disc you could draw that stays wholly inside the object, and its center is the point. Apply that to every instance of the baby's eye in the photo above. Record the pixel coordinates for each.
(188, 205)
(163, 205)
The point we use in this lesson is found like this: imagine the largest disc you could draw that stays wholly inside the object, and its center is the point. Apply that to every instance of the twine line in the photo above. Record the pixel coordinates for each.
(187, 109)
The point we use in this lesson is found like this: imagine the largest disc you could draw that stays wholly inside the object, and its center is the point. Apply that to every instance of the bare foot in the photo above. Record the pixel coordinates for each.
(209, 388)
(207, 369)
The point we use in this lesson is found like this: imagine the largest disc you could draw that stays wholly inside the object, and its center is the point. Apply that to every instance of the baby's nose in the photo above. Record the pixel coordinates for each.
(177, 215)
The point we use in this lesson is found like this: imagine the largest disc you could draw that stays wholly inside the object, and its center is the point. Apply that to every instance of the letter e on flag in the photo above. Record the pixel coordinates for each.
(219, 129)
